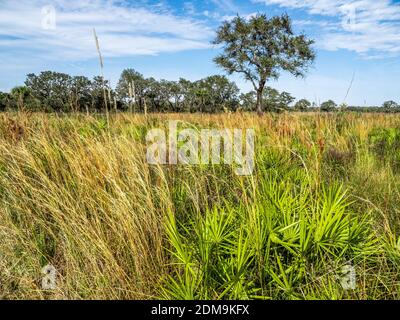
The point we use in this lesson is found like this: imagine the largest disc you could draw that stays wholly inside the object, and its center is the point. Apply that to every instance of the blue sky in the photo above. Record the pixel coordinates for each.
(171, 39)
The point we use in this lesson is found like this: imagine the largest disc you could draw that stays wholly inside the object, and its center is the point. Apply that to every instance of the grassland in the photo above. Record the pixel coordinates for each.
(78, 193)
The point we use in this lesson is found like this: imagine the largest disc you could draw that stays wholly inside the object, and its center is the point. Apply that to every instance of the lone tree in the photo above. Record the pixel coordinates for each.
(260, 48)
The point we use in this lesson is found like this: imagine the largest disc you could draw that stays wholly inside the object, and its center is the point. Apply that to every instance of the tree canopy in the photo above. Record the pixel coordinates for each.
(328, 106)
(302, 105)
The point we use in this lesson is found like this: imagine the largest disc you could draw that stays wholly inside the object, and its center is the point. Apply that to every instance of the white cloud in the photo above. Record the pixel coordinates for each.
(123, 29)
(315, 6)
(369, 27)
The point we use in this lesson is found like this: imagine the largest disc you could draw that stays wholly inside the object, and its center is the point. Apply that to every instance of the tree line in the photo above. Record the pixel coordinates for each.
(58, 92)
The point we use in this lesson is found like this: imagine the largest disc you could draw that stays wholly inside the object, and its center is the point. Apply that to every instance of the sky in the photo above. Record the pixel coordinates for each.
(357, 42)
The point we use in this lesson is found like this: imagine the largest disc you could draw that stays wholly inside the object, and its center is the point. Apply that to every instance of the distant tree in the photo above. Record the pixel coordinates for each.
(275, 101)
(97, 88)
(52, 89)
(248, 101)
(261, 48)
(302, 105)
(344, 107)
(156, 95)
(328, 106)
(3, 101)
(201, 97)
(80, 97)
(390, 105)
(131, 88)
(21, 98)
(285, 100)
(188, 94)
(271, 100)
(216, 94)
(166, 95)
(176, 95)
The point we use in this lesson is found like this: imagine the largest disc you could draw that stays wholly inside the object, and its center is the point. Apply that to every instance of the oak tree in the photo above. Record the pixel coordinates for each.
(260, 48)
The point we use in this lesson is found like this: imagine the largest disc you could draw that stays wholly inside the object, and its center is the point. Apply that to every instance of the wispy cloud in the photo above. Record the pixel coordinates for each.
(226, 5)
(369, 27)
(123, 29)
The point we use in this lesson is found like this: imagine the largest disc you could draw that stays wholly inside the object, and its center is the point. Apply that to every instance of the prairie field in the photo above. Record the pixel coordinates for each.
(77, 193)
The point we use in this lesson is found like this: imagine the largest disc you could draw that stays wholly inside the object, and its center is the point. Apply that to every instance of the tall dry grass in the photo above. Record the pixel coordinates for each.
(79, 195)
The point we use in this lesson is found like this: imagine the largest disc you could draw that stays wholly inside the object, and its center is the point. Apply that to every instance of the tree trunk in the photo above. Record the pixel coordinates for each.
(259, 101)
